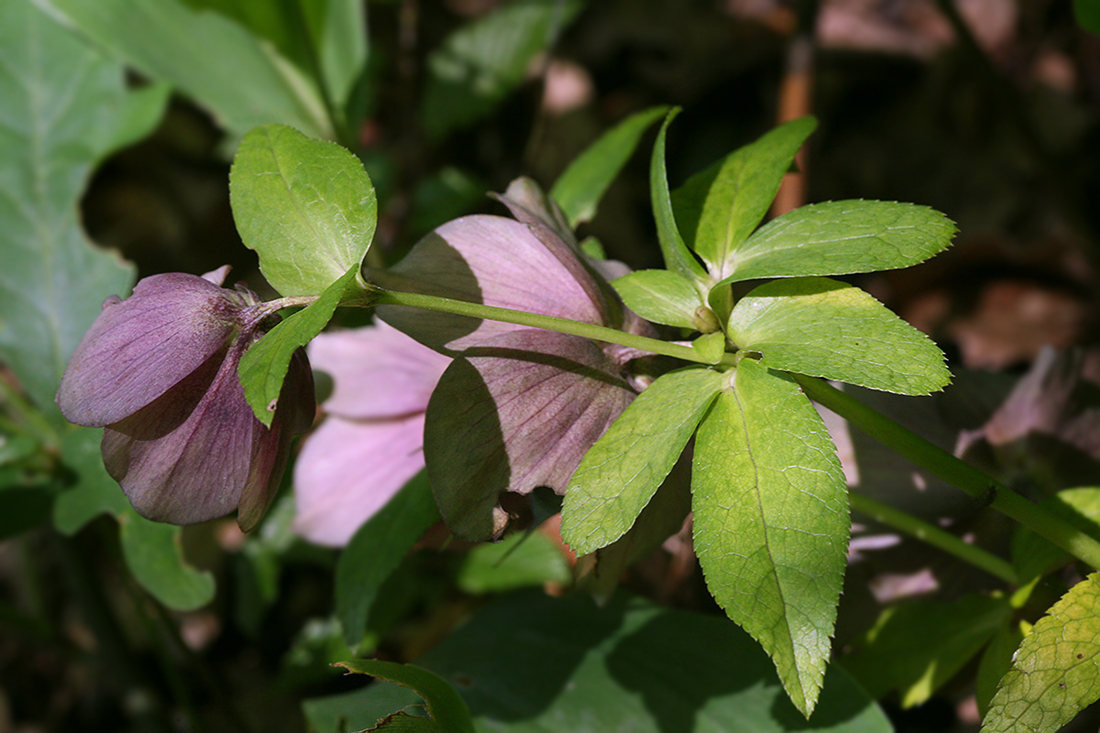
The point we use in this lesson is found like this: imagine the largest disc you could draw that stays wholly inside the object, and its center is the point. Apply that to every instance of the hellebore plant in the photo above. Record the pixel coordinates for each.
(158, 371)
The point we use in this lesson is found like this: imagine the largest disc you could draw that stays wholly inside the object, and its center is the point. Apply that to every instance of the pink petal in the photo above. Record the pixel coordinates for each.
(348, 470)
(519, 413)
(139, 348)
(490, 260)
(378, 371)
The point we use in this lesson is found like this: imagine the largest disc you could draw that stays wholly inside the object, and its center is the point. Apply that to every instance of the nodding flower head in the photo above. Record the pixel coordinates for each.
(158, 371)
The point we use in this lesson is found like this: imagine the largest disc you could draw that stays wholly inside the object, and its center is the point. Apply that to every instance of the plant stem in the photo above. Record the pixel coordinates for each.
(934, 536)
(535, 320)
(952, 470)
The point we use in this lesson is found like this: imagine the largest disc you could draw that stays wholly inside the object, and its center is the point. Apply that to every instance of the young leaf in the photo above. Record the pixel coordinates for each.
(155, 558)
(64, 108)
(718, 208)
(771, 522)
(1056, 671)
(263, 367)
(676, 254)
(829, 329)
(446, 707)
(375, 552)
(663, 296)
(621, 472)
(166, 40)
(306, 206)
(839, 238)
(711, 346)
(579, 189)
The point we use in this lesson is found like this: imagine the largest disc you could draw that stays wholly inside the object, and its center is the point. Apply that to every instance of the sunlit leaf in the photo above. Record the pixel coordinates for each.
(841, 237)
(663, 296)
(579, 189)
(771, 522)
(621, 472)
(825, 328)
(1033, 555)
(306, 206)
(520, 560)
(677, 257)
(1056, 671)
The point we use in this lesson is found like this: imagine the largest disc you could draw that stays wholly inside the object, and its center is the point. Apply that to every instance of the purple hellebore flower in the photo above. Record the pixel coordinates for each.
(372, 441)
(159, 372)
(518, 407)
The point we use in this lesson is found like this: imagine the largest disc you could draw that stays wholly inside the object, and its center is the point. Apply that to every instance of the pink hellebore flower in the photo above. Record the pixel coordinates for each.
(518, 407)
(372, 441)
(159, 372)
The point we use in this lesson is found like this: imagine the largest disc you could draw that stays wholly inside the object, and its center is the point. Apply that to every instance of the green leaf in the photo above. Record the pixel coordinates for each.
(995, 663)
(306, 206)
(376, 550)
(677, 257)
(718, 208)
(579, 189)
(632, 666)
(153, 553)
(63, 108)
(1056, 672)
(771, 521)
(263, 367)
(663, 296)
(95, 491)
(711, 346)
(840, 238)
(478, 64)
(1087, 13)
(445, 705)
(918, 646)
(518, 561)
(620, 473)
(829, 329)
(220, 64)
(1034, 555)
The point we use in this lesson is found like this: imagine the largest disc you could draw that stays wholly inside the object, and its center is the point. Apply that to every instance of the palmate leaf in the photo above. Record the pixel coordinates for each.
(771, 521)
(825, 328)
(1056, 672)
(622, 470)
(306, 206)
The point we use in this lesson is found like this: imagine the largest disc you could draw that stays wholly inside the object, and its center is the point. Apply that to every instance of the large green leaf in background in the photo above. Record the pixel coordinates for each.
(478, 64)
(826, 328)
(306, 206)
(1056, 671)
(533, 664)
(215, 61)
(771, 521)
(62, 109)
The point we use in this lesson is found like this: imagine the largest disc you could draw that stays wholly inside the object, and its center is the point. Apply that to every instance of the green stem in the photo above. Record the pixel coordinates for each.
(934, 536)
(952, 470)
(535, 320)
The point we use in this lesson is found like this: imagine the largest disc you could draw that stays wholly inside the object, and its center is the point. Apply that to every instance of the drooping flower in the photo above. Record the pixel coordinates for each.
(518, 407)
(158, 371)
(371, 442)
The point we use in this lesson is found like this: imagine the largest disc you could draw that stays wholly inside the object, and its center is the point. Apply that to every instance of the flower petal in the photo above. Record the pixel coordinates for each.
(378, 371)
(483, 259)
(516, 414)
(139, 348)
(348, 470)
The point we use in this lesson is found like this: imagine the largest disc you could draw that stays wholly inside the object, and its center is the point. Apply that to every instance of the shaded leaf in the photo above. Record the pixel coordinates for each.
(446, 708)
(841, 237)
(165, 40)
(155, 558)
(581, 186)
(264, 366)
(1056, 671)
(663, 296)
(718, 208)
(306, 206)
(771, 521)
(95, 491)
(621, 472)
(1034, 555)
(677, 257)
(829, 329)
(375, 552)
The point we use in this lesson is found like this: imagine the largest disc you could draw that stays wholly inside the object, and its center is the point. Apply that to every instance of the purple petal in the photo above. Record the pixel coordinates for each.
(348, 470)
(139, 348)
(198, 470)
(378, 371)
(490, 260)
(516, 414)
